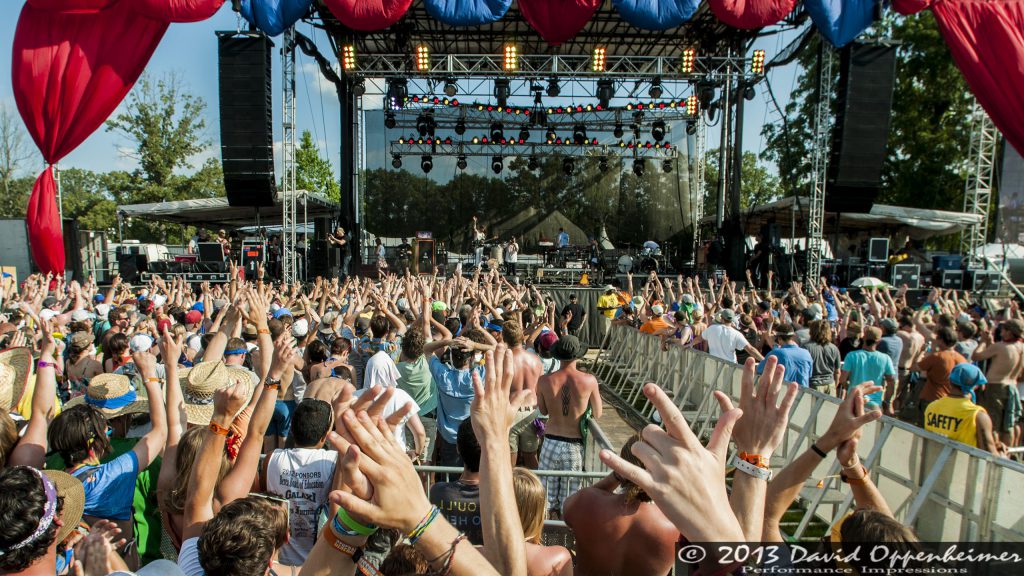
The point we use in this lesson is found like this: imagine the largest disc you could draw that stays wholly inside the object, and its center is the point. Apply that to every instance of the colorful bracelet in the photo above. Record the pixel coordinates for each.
(218, 429)
(45, 364)
(343, 520)
(356, 553)
(425, 523)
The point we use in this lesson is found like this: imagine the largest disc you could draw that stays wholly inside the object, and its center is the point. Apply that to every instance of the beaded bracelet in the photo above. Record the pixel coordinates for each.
(425, 523)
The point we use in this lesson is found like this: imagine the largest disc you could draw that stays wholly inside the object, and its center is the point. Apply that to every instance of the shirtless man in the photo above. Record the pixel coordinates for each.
(999, 396)
(616, 510)
(565, 396)
(523, 436)
(913, 346)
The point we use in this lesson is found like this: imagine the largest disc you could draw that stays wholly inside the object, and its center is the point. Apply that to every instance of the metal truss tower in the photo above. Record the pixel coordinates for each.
(698, 183)
(819, 165)
(978, 187)
(288, 194)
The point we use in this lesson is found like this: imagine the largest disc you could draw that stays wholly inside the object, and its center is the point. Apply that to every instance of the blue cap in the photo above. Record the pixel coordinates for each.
(967, 377)
(199, 306)
(282, 312)
(99, 298)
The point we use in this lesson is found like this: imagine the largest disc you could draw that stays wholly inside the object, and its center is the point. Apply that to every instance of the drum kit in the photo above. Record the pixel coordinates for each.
(645, 260)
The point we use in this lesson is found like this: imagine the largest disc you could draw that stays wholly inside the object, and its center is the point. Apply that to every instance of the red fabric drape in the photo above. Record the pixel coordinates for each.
(558, 20)
(986, 39)
(750, 14)
(368, 14)
(73, 62)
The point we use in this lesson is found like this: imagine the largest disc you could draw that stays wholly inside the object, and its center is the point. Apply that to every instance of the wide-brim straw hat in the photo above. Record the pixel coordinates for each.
(113, 395)
(15, 368)
(71, 489)
(203, 380)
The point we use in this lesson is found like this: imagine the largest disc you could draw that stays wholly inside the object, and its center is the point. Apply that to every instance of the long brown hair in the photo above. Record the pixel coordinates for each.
(188, 449)
(821, 332)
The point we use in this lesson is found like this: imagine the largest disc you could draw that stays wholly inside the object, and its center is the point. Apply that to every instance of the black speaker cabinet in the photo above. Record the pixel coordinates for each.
(909, 274)
(948, 279)
(246, 116)
(984, 280)
(878, 250)
(211, 252)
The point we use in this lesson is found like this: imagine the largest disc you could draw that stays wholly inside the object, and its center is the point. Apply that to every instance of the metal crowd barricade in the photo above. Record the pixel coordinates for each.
(945, 490)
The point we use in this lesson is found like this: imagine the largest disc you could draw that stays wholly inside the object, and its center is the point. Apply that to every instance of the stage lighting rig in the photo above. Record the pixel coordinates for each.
(638, 167)
(658, 130)
(389, 120)
(691, 127)
(450, 87)
(396, 161)
(511, 58)
(397, 92)
(749, 93)
(666, 166)
(460, 127)
(524, 133)
(553, 89)
(461, 163)
(423, 58)
(568, 166)
(502, 90)
(705, 94)
(757, 62)
(348, 57)
(605, 92)
(618, 132)
(686, 65)
(497, 132)
(599, 61)
(579, 134)
(656, 90)
(425, 125)
(426, 164)
(359, 87)
(532, 163)
(550, 135)
(496, 165)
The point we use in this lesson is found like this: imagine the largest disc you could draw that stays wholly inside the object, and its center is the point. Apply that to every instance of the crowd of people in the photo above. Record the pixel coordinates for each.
(253, 428)
(952, 364)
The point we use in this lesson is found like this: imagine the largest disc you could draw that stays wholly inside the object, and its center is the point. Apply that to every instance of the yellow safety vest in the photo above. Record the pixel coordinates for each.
(954, 418)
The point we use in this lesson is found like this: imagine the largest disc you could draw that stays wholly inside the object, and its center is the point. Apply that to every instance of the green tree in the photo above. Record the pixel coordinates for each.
(15, 153)
(758, 186)
(930, 131)
(87, 200)
(313, 172)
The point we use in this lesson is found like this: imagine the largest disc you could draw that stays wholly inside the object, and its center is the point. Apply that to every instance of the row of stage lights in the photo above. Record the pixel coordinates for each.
(498, 164)
(689, 104)
(558, 141)
(510, 60)
(426, 127)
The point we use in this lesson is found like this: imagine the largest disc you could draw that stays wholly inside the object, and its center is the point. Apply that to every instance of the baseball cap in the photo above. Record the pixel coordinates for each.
(889, 325)
(99, 298)
(439, 305)
(47, 314)
(300, 328)
(568, 348)
(193, 317)
(545, 341)
(726, 316)
(609, 288)
(199, 306)
(81, 315)
(140, 343)
(687, 298)
(658, 309)
(282, 312)
(159, 300)
(403, 304)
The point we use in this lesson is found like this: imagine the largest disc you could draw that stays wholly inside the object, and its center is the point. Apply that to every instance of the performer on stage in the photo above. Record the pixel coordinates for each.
(403, 256)
(341, 241)
(511, 256)
(563, 238)
(479, 238)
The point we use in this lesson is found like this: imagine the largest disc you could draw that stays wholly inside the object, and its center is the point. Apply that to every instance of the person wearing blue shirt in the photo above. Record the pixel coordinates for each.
(870, 365)
(563, 238)
(798, 362)
(453, 374)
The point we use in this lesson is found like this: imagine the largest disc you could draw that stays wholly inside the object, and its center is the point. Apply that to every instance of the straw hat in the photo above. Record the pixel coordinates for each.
(202, 381)
(71, 489)
(15, 367)
(115, 390)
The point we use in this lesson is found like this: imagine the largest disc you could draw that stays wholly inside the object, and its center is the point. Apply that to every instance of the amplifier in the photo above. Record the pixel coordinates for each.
(878, 250)
(984, 280)
(948, 262)
(193, 277)
(574, 264)
(909, 274)
(948, 279)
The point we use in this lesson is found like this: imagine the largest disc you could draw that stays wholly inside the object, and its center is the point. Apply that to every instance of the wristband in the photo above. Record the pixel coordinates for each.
(218, 429)
(345, 548)
(344, 520)
(752, 470)
(263, 331)
(45, 364)
(819, 451)
(271, 384)
(855, 481)
(755, 459)
(153, 380)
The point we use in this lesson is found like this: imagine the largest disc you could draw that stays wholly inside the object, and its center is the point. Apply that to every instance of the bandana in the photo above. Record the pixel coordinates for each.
(49, 514)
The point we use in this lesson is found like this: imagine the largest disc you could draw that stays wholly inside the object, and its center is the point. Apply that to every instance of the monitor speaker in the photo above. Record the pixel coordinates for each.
(211, 252)
(867, 74)
(246, 117)
(878, 250)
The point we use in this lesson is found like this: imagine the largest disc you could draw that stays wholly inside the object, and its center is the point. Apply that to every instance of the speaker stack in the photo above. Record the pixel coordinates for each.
(866, 77)
(246, 117)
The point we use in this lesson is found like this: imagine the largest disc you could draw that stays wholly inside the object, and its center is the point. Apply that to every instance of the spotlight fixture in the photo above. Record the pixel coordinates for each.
(553, 89)
(450, 87)
(359, 87)
(579, 134)
(691, 105)
(422, 58)
(426, 164)
(602, 164)
(550, 135)
(460, 127)
(532, 163)
(605, 92)
(691, 127)
(497, 132)
(511, 58)
(618, 131)
(461, 163)
(638, 166)
(496, 165)
(568, 166)
(749, 93)
(655, 91)
(524, 133)
(705, 95)
(348, 57)
(396, 94)
(666, 165)
(757, 62)
(502, 90)
(389, 120)
(658, 130)
(396, 161)
(689, 56)
(598, 62)
(425, 125)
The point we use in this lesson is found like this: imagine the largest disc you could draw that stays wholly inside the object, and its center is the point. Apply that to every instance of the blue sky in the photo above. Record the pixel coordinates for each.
(190, 50)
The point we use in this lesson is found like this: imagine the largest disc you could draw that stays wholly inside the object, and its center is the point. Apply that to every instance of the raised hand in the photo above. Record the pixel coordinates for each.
(763, 424)
(850, 417)
(229, 401)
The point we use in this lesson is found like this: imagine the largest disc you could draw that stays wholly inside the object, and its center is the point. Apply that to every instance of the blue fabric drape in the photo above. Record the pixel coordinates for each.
(840, 21)
(467, 12)
(274, 16)
(656, 14)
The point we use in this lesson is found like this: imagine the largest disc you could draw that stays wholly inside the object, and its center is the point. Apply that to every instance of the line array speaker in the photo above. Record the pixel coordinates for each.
(860, 140)
(246, 133)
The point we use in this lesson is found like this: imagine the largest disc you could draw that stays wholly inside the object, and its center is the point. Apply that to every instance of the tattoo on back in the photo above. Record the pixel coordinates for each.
(565, 401)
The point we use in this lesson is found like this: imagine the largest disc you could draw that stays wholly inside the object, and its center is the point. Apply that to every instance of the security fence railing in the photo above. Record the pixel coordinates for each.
(945, 490)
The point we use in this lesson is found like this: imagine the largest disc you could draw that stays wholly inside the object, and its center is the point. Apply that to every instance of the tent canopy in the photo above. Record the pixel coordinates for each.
(215, 212)
(531, 226)
(884, 220)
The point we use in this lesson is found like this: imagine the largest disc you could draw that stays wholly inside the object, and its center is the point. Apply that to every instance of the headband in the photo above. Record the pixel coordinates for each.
(236, 351)
(494, 327)
(113, 403)
(49, 513)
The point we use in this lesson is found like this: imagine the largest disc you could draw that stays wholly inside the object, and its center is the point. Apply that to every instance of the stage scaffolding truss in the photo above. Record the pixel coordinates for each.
(289, 220)
(978, 187)
(819, 164)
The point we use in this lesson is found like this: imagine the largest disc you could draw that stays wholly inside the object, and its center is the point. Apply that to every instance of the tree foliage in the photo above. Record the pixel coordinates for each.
(313, 172)
(930, 130)
(15, 153)
(758, 185)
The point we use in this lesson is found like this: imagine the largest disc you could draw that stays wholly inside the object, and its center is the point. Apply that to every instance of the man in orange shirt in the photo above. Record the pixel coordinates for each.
(936, 367)
(656, 324)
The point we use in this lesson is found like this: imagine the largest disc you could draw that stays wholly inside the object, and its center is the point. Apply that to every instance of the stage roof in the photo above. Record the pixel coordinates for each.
(919, 223)
(215, 212)
(607, 28)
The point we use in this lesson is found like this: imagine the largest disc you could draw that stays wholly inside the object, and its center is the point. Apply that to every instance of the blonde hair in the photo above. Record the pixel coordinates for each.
(188, 450)
(531, 499)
